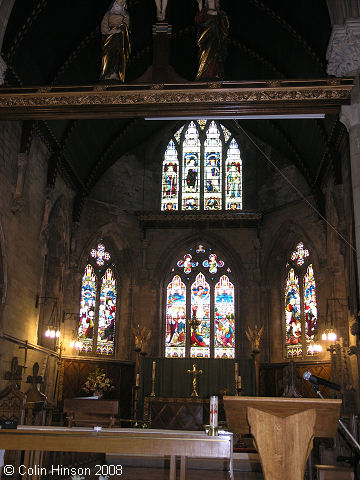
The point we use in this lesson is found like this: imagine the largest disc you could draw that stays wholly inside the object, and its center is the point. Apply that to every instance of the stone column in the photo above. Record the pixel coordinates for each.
(5, 10)
(350, 117)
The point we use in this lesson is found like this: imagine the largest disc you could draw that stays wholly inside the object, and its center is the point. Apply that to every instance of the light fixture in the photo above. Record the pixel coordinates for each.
(76, 344)
(314, 348)
(329, 336)
(51, 332)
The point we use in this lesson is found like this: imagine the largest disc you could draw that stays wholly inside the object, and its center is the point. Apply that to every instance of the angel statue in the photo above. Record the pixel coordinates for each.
(116, 42)
(141, 335)
(254, 337)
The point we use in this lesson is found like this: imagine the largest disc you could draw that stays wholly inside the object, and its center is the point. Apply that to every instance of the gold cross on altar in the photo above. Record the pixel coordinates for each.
(194, 372)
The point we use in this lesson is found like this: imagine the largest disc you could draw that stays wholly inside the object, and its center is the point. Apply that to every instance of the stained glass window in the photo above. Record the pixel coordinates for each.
(292, 315)
(310, 307)
(233, 177)
(212, 170)
(96, 332)
(107, 310)
(87, 309)
(191, 169)
(175, 318)
(201, 298)
(301, 306)
(202, 169)
(224, 319)
(170, 179)
(200, 310)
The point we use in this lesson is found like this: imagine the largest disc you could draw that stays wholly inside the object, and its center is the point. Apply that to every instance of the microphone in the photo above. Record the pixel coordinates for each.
(320, 381)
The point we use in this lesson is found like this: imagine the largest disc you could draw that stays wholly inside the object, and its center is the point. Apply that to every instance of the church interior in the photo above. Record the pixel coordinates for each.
(180, 222)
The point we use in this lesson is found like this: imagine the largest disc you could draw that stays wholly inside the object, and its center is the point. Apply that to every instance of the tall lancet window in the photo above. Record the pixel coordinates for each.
(200, 306)
(301, 325)
(96, 330)
(202, 169)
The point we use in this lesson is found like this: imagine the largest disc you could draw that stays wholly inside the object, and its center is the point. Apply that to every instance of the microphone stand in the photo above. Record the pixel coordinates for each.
(341, 423)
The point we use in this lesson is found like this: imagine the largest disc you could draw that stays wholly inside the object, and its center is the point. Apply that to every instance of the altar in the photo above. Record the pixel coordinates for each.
(172, 406)
(179, 413)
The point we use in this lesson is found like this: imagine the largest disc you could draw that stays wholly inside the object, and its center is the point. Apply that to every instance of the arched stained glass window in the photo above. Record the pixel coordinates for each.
(233, 177)
(200, 310)
(293, 316)
(170, 179)
(175, 318)
(300, 305)
(224, 319)
(201, 297)
(107, 310)
(202, 169)
(310, 307)
(96, 332)
(191, 169)
(212, 169)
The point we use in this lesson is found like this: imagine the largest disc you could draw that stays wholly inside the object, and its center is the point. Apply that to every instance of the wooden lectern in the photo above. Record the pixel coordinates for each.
(283, 429)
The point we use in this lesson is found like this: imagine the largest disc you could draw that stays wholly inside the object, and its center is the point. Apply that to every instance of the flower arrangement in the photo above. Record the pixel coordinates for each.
(98, 383)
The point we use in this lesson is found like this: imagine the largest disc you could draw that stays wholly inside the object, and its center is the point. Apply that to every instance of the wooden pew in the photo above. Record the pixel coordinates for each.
(172, 443)
(83, 412)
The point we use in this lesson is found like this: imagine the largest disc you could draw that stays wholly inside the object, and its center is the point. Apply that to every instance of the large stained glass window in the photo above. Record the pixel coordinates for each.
(96, 331)
(300, 305)
(200, 306)
(202, 169)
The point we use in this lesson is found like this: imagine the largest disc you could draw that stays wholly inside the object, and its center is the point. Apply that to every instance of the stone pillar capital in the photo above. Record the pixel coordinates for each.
(343, 53)
(350, 115)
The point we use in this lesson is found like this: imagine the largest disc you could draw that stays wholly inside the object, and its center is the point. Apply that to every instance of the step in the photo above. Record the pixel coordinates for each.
(333, 472)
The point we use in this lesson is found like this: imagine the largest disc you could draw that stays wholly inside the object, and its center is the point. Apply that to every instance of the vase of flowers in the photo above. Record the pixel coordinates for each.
(98, 384)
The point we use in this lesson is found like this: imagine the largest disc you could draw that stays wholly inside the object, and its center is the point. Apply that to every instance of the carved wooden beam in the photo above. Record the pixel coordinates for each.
(196, 99)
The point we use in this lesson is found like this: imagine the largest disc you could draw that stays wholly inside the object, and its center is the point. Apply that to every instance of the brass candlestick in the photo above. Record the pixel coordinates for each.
(195, 373)
(152, 394)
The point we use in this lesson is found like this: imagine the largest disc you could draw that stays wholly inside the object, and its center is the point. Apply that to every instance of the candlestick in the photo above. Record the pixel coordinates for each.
(213, 411)
(236, 374)
(137, 380)
(239, 382)
(152, 394)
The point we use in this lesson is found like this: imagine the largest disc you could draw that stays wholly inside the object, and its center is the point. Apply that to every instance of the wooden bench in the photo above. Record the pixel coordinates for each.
(85, 412)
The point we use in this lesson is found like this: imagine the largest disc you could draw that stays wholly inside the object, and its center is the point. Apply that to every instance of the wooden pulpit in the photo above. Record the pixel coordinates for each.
(283, 429)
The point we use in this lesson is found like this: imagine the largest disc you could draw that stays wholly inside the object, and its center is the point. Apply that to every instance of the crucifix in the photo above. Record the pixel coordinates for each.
(195, 373)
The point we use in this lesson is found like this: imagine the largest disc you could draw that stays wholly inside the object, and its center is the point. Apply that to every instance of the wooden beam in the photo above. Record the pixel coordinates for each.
(195, 99)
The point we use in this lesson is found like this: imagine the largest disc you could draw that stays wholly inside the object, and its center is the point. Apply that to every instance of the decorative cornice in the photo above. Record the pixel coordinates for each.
(174, 100)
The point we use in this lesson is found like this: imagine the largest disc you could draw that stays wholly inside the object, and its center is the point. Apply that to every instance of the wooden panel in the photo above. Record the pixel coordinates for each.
(272, 384)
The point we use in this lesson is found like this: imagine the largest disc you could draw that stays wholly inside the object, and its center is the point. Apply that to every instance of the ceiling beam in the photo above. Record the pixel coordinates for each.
(227, 99)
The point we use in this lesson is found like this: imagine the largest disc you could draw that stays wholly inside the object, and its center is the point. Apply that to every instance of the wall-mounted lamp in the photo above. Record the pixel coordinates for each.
(329, 335)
